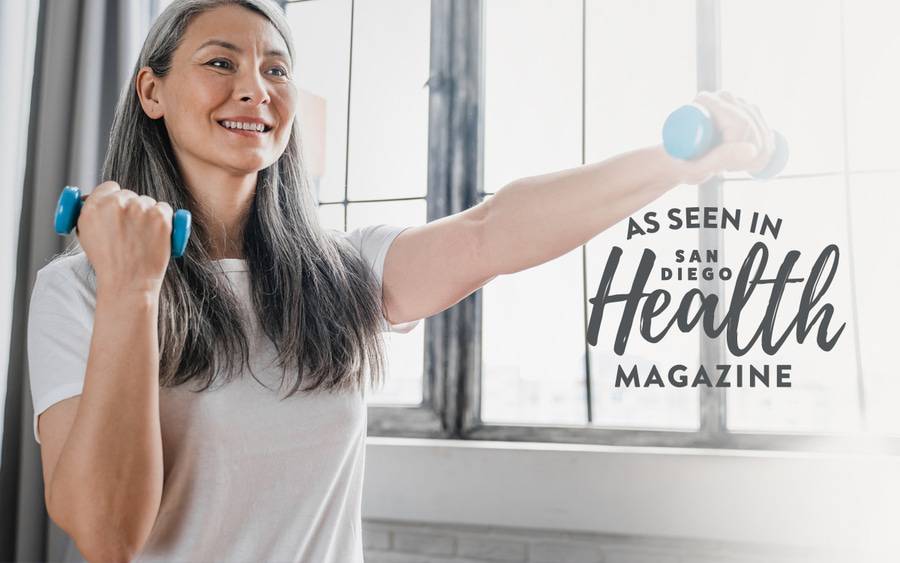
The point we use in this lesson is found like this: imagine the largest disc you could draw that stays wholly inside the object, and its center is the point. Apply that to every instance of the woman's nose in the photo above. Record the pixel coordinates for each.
(251, 87)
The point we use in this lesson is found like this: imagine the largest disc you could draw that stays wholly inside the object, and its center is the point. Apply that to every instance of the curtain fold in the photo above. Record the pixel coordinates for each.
(84, 55)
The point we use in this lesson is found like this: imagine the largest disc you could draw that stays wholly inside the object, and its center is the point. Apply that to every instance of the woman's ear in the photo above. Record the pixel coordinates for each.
(146, 85)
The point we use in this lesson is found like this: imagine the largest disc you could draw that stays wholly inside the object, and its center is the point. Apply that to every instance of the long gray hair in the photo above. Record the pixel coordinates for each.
(313, 295)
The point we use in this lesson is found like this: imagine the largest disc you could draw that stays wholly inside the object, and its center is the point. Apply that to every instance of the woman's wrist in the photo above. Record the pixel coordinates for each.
(674, 172)
(132, 297)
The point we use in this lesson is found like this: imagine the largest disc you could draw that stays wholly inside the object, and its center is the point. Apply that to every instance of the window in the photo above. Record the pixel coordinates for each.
(582, 81)
(423, 109)
(842, 171)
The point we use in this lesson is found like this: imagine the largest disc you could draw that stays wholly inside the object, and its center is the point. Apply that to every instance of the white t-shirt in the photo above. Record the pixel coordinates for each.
(247, 478)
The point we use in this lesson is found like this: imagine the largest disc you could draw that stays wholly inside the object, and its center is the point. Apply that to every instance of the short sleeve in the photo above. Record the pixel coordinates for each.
(373, 242)
(60, 325)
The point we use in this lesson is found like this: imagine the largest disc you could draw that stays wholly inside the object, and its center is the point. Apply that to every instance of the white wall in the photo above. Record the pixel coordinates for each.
(801, 501)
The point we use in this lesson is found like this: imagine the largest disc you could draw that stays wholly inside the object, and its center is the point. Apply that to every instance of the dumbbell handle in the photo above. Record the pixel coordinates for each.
(69, 207)
(689, 132)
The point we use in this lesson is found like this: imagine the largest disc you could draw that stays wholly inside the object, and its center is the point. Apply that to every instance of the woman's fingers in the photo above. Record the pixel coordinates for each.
(92, 199)
(759, 128)
(722, 112)
(146, 201)
(755, 132)
(166, 210)
(104, 189)
(739, 123)
(740, 114)
(731, 120)
(729, 157)
(768, 136)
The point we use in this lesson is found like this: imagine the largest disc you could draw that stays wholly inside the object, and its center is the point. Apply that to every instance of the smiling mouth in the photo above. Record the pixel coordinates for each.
(266, 129)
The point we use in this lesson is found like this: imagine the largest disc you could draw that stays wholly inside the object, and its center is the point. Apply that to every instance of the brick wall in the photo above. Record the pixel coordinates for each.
(396, 542)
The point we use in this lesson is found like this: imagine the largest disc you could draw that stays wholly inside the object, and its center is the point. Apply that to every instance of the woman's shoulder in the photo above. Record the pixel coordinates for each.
(371, 241)
(66, 282)
(76, 264)
(72, 268)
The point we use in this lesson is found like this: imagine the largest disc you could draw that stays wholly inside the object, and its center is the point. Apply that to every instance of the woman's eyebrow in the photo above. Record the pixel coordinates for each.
(236, 49)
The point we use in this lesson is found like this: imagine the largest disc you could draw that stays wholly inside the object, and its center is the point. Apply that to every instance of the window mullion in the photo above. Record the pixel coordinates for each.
(453, 169)
(713, 406)
(588, 368)
(848, 206)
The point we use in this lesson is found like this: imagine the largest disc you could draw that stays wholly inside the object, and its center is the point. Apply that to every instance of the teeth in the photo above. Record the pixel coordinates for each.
(245, 126)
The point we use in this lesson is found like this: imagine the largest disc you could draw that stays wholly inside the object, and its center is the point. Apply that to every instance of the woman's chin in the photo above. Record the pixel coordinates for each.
(245, 165)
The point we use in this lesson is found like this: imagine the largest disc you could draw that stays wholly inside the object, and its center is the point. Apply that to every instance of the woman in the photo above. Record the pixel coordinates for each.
(155, 444)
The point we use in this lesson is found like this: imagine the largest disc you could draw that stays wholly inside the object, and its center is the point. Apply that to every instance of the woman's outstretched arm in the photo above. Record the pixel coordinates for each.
(538, 218)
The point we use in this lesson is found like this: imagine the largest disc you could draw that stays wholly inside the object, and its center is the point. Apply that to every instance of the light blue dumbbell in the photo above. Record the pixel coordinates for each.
(689, 132)
(69, 207)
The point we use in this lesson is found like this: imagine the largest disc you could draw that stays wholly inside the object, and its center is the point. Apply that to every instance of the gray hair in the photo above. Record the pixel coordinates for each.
(314, 296)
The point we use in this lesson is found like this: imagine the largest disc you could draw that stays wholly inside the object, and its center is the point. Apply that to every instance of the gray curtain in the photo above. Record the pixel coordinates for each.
(83, 57)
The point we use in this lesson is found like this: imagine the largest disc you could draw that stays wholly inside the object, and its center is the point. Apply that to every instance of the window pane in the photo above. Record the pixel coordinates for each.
(389, 103)
(532, 321)
(532, 88)
(823, 394)
(874, 199)
(405, 352)
(631, 86)
(631, 82)
(644, 407)
(332, 216)
(785, 58)
(533, 345)
(321, 32)
(873, 84)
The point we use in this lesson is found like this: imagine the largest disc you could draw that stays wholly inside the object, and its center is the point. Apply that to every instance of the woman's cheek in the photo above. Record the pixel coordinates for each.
(210, 90)
(288, 112)
(291, 98)
(205, 88)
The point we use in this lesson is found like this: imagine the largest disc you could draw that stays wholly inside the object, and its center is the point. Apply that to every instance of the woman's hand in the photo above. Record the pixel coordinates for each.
(746, 142)
(127, 238)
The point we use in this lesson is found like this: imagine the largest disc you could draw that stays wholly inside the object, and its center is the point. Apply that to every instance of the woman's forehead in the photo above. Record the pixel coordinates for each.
(235, 28)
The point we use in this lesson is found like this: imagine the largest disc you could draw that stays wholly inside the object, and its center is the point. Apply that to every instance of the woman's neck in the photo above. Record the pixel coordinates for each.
(223, 204)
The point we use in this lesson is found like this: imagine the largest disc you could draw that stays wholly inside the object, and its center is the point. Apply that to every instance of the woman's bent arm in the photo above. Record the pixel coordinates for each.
(106, 486)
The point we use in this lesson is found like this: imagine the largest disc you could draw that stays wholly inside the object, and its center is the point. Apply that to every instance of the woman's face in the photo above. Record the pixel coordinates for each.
(232, 65)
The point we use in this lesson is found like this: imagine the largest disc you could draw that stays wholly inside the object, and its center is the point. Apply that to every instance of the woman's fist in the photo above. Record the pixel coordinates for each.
(746, 143)
(127, 238)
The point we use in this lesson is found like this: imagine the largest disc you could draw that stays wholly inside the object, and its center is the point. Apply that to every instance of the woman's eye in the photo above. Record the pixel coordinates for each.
(227, 64)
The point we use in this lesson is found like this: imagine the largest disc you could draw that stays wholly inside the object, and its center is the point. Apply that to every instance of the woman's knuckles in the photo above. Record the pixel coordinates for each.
(105, 188)
(162, 213)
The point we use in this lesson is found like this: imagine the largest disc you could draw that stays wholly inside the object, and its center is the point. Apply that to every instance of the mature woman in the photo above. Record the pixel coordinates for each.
(213, 407)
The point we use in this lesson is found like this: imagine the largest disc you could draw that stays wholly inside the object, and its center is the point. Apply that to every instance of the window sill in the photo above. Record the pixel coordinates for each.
(784, 498)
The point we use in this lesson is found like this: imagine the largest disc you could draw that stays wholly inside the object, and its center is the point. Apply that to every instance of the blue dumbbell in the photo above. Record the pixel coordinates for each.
(689, 132)
(69, 206)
